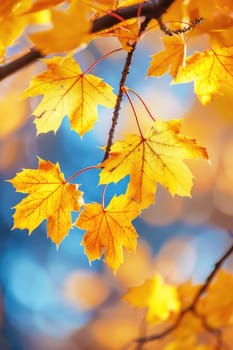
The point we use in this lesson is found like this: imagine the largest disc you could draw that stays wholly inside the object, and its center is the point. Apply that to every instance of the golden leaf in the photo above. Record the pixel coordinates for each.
(68, 91)
(70, 29)
(49, 197)
(156, 157)
(217, 304)
(109, 230)
(160, 299)
(170, 59)
(209, 70)
(11, 23)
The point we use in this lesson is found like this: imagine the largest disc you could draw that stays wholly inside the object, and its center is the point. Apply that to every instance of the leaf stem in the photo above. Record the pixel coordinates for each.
(143, 102)
(80, 172)
(134, 111)
(124, 74)
(101, 59)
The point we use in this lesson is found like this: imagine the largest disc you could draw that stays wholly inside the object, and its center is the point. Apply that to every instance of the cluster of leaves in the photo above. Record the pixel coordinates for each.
(150, 157)
(183, 314)
(187, 316)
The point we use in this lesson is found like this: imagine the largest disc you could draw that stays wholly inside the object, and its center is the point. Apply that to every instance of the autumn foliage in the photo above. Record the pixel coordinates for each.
(158, 154)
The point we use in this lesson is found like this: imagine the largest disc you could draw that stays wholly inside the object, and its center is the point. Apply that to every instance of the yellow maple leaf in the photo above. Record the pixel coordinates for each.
(70, 29)
(68, 91)
(209, 70)
(170, 59)
(49, 197)
(156, 157)
(109, 230)
(217, 304)
(15, 15)
(127, 33)
(160, 299)
(11, 23)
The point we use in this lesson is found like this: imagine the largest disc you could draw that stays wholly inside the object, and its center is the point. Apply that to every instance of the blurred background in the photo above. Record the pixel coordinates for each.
(53, 299)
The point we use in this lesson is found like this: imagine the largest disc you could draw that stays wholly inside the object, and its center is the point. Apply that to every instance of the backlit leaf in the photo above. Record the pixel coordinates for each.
(217, 304)
(68, 91)
(109, 230)
(158, 156)
(209, 70)
(70, 29)
(159, 298)
(170, 59)
(11, 23)
(127, 33)
(48, 197)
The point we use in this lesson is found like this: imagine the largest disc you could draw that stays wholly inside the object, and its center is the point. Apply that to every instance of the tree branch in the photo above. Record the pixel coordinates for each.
(192, 306)
(210, 277)
(20, 62)
(124, 74)
(150, 9)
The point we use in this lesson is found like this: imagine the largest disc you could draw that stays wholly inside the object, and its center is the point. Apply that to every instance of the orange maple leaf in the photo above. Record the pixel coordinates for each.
(160, 299)
(217, 304)
(12, 23)
(127, 33)
(109, 229)
(70, 29)
(49, 197)
(209, 70)
(68, 91)
(170, 59)
(156, 157)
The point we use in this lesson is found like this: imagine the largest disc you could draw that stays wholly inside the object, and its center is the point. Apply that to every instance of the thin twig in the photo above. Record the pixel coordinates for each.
(211, 276)
(124, 74)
